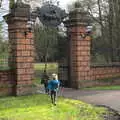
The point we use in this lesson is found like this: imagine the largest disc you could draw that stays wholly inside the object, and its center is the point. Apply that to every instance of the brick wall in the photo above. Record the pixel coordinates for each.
(99, 76)
(6, 83)
(105, 75)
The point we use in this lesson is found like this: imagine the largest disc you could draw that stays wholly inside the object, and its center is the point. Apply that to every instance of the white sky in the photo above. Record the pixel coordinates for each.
(64, 3)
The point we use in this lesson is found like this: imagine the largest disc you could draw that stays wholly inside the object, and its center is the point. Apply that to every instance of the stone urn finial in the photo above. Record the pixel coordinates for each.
(78, 16)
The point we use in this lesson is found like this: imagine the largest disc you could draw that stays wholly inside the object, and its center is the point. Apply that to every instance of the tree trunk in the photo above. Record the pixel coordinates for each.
(110, 20)
(100, 18)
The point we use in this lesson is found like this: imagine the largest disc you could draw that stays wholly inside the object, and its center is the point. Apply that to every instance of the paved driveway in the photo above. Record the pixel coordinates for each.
(109, 98)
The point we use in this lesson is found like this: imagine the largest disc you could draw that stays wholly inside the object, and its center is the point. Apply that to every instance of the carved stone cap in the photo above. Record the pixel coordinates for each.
(78, 17)
(20, 11)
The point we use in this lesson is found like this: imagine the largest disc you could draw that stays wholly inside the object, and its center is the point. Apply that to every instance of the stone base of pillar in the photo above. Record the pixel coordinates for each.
(5, 91)
(25, 90)
(75, 84)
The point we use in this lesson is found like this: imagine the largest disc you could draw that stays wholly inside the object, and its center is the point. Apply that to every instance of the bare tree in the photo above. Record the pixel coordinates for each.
(0, 3)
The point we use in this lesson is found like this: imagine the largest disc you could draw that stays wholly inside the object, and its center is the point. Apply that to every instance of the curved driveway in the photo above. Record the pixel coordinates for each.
(109, 98)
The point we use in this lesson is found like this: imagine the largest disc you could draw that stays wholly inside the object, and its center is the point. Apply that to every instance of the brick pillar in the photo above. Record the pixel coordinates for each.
(21, 49)
(79, 47)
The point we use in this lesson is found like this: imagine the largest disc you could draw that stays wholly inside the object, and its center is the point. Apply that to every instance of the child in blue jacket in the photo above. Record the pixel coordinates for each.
(53, 86)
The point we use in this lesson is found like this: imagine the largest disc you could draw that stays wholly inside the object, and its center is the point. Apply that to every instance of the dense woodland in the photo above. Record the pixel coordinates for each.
(105, 16)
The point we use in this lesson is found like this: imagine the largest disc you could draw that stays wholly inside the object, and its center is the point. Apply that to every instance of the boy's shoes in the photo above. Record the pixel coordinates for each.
(54, 103)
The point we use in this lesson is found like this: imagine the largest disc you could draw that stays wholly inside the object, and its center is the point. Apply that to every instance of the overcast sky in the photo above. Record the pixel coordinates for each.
(4, 9)
(63, 4)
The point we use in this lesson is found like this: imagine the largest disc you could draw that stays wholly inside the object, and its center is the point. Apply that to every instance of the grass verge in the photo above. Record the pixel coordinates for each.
(39, 107)
(104, 88)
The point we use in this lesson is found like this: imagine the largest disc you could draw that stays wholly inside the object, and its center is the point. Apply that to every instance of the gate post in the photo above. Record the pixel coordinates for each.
(79, 47)
(21, 49)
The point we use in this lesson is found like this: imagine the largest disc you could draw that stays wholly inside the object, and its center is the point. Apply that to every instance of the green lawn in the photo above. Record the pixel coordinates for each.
(50, 66)
(39, 107)
(104, 88)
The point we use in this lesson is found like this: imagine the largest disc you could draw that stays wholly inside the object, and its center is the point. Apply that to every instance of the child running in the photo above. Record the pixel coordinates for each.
(53, 86)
